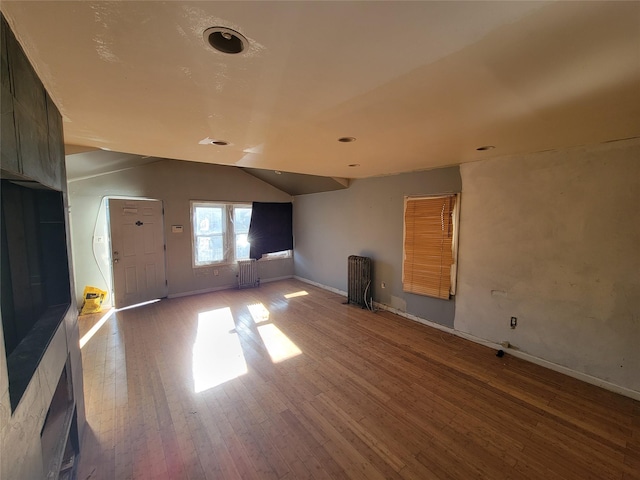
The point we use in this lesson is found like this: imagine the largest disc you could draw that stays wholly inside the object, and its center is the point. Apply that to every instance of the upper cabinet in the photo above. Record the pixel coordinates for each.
(32, 143)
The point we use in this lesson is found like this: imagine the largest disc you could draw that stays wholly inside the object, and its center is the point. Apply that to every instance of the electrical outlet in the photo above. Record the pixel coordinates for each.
(383, 285)
(514, 322)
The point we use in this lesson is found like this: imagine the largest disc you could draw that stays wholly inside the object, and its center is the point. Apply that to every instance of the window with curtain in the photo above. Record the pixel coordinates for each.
(271, 228)
(429, 245)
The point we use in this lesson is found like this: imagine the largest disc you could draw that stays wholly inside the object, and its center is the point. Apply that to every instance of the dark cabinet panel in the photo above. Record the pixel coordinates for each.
(8, 147)
(8, 144)
(31, 143)
(33, 148)
(54, 119)
(4, 56)
(28, 90)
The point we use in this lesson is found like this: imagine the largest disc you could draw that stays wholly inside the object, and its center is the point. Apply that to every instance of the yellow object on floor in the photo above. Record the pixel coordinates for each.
(93, 299)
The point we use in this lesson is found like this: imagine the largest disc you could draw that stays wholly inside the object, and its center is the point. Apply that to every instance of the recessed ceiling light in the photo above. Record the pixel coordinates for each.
(486, 147)
(347, 139)
(354, 164)
(225, 40)
(222, 143)
(213, 141)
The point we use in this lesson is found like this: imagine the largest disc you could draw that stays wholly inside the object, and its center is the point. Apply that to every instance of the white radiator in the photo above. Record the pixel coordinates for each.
(248, 273)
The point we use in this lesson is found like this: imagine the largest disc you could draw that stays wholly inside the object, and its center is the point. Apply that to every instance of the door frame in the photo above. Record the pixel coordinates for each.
(109, 250)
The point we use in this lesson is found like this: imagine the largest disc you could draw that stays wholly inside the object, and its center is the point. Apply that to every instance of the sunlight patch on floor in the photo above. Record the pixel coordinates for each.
(217, 352)
(301, 293)
(141, 304)
(258, 312)
(87, 336)
(279, 346)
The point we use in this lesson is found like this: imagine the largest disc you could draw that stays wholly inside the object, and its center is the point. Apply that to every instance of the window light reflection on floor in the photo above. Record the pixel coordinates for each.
(258, 312)
(217, 353)
(279, 346)
(87, 336)
(141, 304)
(301, 293)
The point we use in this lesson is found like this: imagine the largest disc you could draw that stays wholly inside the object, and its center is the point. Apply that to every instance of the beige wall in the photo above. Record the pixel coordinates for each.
(175, 183)
(554, 240)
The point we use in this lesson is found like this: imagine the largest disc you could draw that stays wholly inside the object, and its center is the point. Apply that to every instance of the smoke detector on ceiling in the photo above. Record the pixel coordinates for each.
(225, 40)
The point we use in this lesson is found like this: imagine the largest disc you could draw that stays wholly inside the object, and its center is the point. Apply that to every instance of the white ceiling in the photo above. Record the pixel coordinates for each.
(419, 84)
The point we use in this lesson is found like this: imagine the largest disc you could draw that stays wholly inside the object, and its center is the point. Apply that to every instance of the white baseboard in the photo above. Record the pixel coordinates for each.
(275, 279)
(204, 290)
(223, 287)
(320, 285)
(627, 392)
(612, 387)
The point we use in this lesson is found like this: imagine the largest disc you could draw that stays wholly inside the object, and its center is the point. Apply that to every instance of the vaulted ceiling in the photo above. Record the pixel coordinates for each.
(417, 84)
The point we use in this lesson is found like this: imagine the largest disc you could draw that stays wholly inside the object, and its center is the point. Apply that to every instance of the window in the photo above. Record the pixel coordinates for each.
(219, 232)
(430, 231)
(241, 221)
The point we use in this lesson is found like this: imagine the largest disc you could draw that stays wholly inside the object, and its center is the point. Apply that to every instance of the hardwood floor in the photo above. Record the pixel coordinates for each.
(325, 390)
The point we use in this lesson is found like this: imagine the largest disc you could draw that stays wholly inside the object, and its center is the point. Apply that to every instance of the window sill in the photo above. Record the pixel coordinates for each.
(231, 264)
(271, 259)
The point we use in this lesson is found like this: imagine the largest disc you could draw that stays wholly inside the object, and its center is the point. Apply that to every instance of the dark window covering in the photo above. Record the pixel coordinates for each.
(271, 228)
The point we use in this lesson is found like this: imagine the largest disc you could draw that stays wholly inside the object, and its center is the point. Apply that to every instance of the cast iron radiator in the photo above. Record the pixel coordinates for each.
(359, 279)
(248, 273)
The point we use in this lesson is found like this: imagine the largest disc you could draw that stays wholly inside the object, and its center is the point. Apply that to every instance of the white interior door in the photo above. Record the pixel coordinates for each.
(137, 251)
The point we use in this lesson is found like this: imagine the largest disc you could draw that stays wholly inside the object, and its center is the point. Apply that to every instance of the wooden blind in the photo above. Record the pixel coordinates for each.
(428, 245)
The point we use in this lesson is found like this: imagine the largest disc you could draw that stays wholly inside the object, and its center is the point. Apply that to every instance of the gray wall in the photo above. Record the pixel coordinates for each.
(550, 238)
(367, 219)
(554, 239)
(32, 149)
(175, 183)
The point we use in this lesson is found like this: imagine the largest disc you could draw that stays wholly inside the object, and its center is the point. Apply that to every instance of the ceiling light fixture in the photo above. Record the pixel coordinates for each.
(354, 165)
(213, 141)
(347, 139)
(486, 147)
(225, 40)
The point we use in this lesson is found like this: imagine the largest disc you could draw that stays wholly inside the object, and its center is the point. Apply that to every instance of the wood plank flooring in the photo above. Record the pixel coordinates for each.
(305, 387)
